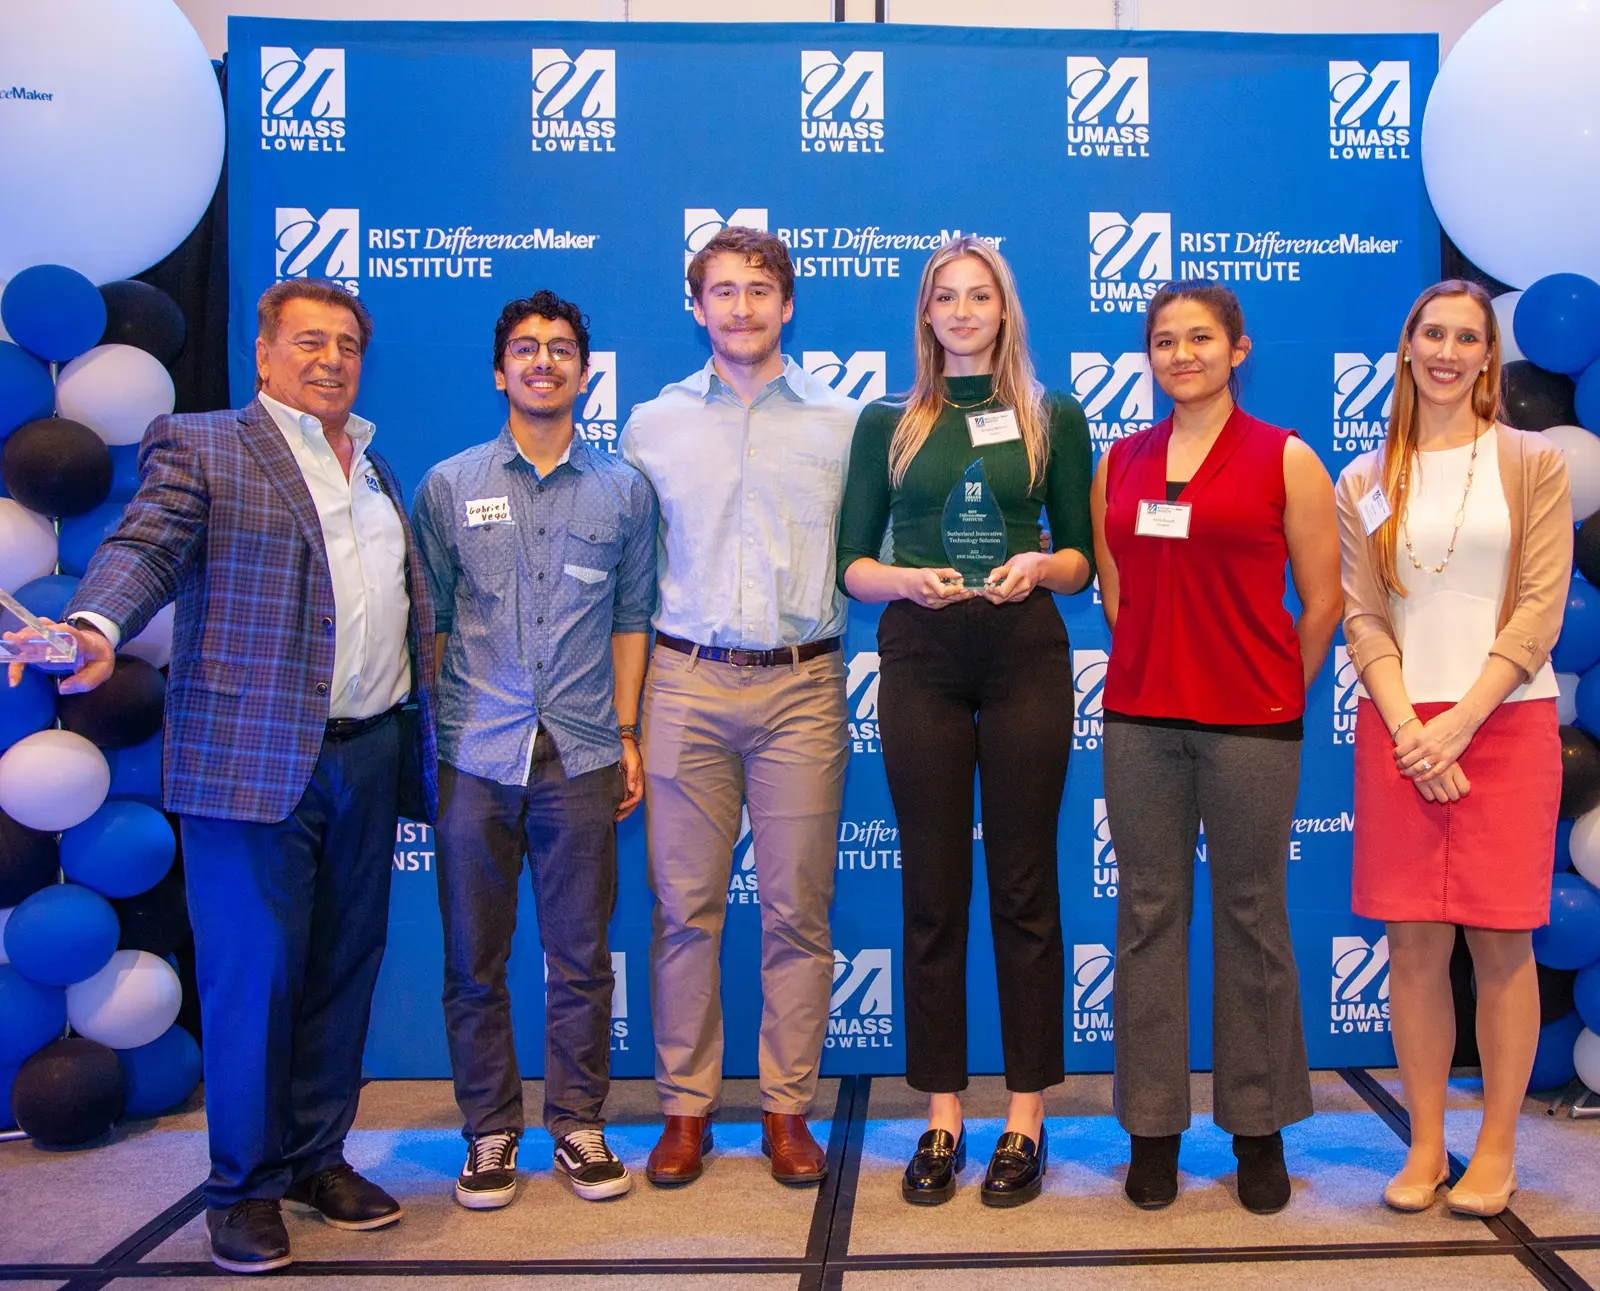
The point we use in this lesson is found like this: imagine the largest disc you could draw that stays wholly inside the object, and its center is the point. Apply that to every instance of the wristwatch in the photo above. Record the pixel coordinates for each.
(83, 623)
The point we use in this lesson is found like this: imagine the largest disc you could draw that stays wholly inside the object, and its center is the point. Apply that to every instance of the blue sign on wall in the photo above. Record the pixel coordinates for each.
(440, 169)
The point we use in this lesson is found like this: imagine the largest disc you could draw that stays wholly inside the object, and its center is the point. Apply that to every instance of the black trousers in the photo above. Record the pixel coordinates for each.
(982, 688)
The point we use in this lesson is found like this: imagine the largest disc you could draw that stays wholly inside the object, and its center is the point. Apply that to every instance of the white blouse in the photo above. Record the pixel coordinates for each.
(1447, 623)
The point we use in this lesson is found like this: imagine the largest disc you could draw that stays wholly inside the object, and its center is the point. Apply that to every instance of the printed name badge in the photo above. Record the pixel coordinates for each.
(488, 511)
(1163, 520)
(997, 427)
(1374, 508)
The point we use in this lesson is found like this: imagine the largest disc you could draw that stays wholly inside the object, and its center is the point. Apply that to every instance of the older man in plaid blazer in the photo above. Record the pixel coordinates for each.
(302, 625)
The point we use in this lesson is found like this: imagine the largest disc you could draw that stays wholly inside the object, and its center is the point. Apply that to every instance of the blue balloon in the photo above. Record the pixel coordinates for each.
(48, 596)
(27, 707)
(1552, 1060)
(160, 1074)
(136, 772)
(31, 1015)
(1572, 937)
(1587, 398)
(80, 535)
(54, 312)
(1589, 701)
(1586, 995)
(1557, 322)
(1563, 856)
(61, 934)
(124, 471)
(1577, 649)
(27, 390)
(124, 849)
(8, 1078)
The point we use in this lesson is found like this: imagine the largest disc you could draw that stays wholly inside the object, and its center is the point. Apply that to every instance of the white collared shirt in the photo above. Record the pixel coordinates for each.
(366, 549)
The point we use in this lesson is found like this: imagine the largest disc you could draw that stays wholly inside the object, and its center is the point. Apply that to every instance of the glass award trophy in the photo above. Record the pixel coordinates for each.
(51, 648)
(974, 530)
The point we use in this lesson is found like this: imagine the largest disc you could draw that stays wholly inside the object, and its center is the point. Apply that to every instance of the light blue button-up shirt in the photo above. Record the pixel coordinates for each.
(531, 577)
(749, 499)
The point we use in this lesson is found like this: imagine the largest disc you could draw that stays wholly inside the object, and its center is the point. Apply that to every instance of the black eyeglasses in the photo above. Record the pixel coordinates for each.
(526, 348)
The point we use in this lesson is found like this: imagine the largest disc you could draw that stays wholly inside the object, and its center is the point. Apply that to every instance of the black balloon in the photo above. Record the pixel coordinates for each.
(1586, 549)
(125, 710)
(156, 920)
(29, 860)
(56, 467)
(1533, 399)
(69, 1093)
(145, 316)
(1580, 772)
(1555, 993)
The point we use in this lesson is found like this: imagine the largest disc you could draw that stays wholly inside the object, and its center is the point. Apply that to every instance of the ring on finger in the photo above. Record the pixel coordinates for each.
(1426, 765)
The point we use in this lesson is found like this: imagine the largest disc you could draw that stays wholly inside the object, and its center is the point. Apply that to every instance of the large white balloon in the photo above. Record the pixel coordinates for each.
(112, 154)
(1586, 1057)
(1511, 140)
(1582, 449)
(116, 391)
(1585, 846)
(1567, 700)
(53, 780)
(129, 1002)
(27, 545)
(154, 644)
(1505, 306)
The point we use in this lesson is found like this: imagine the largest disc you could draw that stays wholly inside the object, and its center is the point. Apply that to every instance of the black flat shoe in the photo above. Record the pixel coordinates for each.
(1016, 1170)
(345, 1200)
(930, 1178)
(1153, 1171)
(1263, 1178)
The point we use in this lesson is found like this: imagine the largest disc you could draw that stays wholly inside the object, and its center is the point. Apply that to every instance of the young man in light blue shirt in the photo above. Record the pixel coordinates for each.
(745, 700)
(540, 552)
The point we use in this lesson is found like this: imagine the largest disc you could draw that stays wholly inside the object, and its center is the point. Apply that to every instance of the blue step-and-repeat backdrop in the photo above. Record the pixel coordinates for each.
(440, 169)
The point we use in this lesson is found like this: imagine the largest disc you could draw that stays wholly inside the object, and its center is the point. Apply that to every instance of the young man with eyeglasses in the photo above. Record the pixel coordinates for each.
(540, 552)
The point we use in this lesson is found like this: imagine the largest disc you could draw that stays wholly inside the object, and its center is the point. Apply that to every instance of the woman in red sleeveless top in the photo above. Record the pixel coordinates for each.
(1195, 520)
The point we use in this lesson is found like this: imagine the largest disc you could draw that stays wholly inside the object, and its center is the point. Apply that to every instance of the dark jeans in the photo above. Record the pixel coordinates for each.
(567, 829)
(985, 688)
(289, 922)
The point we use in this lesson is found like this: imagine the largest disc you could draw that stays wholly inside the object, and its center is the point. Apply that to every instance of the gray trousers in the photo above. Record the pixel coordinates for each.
(1160, 783)
(567, 829)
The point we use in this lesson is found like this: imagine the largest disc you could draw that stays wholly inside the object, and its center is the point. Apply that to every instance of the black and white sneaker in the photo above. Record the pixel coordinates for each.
(594, 1170)
(489, 1178)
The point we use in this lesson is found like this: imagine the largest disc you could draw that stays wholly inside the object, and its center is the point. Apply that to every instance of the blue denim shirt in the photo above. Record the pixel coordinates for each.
(530, 578)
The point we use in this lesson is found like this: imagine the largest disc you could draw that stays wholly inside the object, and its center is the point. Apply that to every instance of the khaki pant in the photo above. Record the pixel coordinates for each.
(716, 736)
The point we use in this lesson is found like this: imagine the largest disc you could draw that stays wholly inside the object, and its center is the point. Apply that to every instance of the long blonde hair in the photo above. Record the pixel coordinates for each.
(1015, 385)
(1400, 447)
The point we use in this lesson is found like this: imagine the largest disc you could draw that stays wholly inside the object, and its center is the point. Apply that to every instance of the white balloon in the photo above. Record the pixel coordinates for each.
(53, 780)
(112, 156)
(1585, 845)
(129, 1002)
(154, 644)
(5, 915)
(1586, 1057)
(1511, 140)
(116, 391)
(1567, 700)
(1582, 449)
(27, 545)
(1505, 305)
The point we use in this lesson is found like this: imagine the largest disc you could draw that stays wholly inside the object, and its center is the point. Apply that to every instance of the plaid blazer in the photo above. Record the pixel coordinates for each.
(224, 525)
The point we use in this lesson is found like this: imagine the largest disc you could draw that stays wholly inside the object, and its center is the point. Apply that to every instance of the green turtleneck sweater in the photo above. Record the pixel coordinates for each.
(916, 507)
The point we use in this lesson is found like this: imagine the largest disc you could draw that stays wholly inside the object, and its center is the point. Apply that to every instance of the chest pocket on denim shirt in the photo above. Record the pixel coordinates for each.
(591, 552)
(488, 555)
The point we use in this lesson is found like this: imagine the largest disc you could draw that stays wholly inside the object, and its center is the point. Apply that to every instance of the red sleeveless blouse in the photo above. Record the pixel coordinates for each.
(1202, 631)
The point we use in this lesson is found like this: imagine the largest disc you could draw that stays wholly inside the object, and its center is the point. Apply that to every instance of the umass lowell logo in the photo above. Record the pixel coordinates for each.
(862, 376)
(1369, 112)
(302, 100)
(1128, 259)
(1093, 977)
(597, 407)
(1345, 700)
(841, 101)
(574, 101)
(1118, 395)
(1108, 108)
(318, 246)
(1088, 695)
(861, 700)
(1363, 399)
(861, 1009)
(1360, 1003)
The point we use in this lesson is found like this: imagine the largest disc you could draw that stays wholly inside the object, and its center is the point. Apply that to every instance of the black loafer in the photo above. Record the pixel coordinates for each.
(1016, 1170)
(248, 1237)
(1263, 1177)
(344, 1199)
(1152, 1171)
(930, 1178)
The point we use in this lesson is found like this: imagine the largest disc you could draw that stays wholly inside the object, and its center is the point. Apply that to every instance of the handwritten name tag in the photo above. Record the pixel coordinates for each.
(488, 511)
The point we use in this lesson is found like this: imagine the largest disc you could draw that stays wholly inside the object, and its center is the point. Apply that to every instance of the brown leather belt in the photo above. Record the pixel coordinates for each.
(752, 658)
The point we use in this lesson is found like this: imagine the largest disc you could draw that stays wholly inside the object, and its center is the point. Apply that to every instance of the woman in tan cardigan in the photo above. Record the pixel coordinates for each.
(1457, 550)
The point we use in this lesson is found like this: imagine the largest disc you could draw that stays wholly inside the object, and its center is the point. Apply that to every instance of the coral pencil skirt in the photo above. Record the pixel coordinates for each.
(1484, 861)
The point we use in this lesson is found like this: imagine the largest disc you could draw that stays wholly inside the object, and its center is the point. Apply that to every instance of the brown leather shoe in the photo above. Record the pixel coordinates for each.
(675, 1159)
(796, 1156)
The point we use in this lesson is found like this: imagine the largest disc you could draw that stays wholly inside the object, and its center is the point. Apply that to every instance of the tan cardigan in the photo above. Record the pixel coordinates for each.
(1533, 473)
